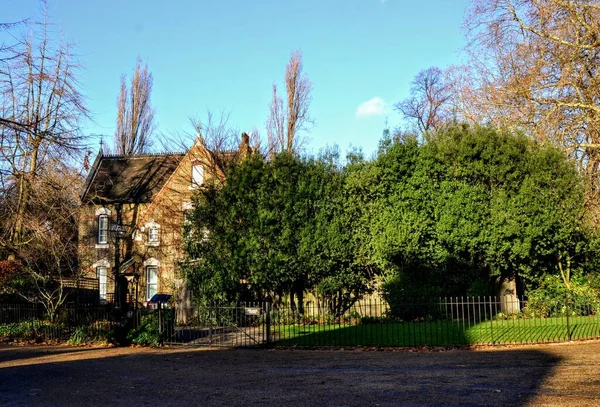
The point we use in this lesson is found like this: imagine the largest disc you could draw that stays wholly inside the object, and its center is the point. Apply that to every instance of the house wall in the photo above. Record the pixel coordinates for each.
(166, 211)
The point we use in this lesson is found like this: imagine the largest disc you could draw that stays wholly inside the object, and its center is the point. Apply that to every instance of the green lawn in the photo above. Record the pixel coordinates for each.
(441, 333)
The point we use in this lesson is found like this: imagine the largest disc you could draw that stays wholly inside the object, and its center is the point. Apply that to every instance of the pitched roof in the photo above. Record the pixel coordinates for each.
(135, 179)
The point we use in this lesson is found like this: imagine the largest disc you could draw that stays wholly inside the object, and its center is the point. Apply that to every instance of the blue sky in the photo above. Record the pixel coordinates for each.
(224, 56)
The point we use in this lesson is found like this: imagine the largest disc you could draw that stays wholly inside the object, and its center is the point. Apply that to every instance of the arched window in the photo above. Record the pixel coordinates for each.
(102, 214)
(102, 269)
(103, 229)
(151, 281)
(151, 265)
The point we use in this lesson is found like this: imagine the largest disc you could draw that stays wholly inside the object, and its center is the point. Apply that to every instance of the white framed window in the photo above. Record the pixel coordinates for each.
(102, 268)
(153, 233)
(102, 275)
(151, 281)
(197, 175)
(102, 229)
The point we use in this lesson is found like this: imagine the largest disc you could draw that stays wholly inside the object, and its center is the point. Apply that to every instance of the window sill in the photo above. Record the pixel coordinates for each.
(102, 246)
(153, 244)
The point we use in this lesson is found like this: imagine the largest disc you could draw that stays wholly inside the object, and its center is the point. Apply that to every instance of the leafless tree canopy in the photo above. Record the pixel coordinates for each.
(534, 67)
(42, 108)
(287, 120)
(47, 254)
(40, 139)
(216, 131)
(428, 105)
(135, 114)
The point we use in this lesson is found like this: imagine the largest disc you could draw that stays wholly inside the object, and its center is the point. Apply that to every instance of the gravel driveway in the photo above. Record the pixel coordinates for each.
(559, 375)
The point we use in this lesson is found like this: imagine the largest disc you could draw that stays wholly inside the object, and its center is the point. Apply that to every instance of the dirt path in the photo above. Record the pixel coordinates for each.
(552, 375)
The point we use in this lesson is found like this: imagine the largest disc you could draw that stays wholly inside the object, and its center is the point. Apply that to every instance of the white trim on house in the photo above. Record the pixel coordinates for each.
(101, 263)
(103, 211)
(151, 262)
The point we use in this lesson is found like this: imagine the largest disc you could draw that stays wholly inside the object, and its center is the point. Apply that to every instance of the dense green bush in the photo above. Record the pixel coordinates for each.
(552, 299)
(147, 332)
(408, 301)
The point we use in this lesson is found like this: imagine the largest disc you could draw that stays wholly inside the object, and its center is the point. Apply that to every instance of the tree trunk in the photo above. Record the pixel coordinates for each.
(507, 292)
(25, 182)
(292, 302)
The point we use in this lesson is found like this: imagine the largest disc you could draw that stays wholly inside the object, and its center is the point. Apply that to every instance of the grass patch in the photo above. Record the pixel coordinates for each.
(440, 333)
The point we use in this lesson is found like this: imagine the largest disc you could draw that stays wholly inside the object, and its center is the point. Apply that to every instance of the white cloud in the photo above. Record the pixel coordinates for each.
(372, 107)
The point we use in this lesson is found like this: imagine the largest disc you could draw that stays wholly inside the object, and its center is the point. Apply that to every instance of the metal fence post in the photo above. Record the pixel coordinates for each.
(33, 315)
(568, 316)
(161, 324)
(491, 322)
(268, 322)
(210, 327)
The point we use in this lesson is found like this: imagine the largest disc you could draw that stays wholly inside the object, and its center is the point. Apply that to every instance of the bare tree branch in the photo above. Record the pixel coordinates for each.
(42, 108)
(135, 114)
(428, 105)
(286, 122)
(534, 67)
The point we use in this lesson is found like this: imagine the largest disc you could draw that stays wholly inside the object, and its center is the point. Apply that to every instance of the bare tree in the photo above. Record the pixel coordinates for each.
(135, 114)
(7, 53)
(216, 131)
(49, 259)
(428, 105)
(40, 93)
(287, 120)
(534, 66)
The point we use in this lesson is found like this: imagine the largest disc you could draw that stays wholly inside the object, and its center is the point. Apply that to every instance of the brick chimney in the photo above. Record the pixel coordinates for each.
(244, 148)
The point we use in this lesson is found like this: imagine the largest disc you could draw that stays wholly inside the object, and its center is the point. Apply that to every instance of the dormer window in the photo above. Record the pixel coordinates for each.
(103, 229)
(197, 175)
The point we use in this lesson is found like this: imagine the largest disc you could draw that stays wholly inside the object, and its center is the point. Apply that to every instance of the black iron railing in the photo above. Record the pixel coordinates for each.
(75, 323)
(448, 321)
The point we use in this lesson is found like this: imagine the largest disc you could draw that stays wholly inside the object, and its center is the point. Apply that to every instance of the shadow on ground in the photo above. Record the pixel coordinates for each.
(18, 352)
(515, 377)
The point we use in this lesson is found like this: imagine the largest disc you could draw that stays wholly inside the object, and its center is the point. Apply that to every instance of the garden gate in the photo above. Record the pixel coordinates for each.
(231, 326)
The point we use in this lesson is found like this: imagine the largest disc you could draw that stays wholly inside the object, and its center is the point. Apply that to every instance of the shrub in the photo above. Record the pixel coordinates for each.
(410, 303)
(147, 332)
(79, 336)
(20, 330)
(367, 320)
(552, 299)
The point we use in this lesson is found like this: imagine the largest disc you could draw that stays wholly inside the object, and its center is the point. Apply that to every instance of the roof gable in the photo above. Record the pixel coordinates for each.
(134, 179)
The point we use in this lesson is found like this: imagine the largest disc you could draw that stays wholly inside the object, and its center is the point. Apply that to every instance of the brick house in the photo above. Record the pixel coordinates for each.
(147, 195)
